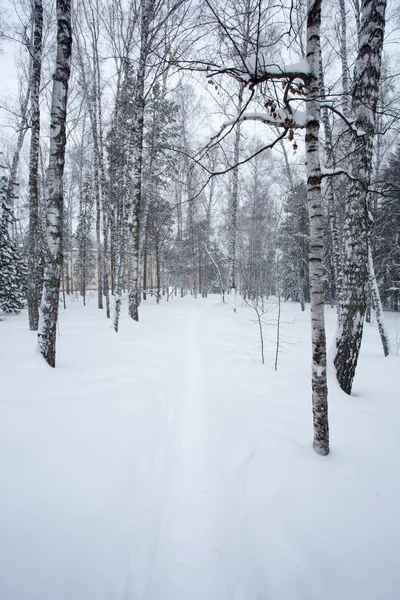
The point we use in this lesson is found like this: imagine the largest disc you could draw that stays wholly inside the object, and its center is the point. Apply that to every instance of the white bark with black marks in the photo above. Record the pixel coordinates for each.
(54, 186)
(356, 226)
(134, 202)
(313, 93)
(233, 208)
(35, 263)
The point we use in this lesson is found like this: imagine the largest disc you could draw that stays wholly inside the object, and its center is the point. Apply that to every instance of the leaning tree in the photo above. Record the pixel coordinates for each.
(356, 255)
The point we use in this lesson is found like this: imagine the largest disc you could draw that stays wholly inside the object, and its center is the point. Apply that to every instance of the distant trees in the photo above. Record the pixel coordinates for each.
(294, 236)
(257, 231)
(85, 267)
(387, 235)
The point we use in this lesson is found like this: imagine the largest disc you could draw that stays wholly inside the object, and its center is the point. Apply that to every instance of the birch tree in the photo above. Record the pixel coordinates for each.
(54, 186)
(280, 114)
(357, 218)
(134, 203)
(35, 263)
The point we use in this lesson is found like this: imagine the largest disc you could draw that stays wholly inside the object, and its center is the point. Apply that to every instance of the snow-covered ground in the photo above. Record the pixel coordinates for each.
(167, 463)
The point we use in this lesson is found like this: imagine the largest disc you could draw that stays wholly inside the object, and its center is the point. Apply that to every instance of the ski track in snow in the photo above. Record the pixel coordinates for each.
(187, 556)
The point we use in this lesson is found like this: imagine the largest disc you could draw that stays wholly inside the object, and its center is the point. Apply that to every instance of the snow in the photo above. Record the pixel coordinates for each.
(301, 67)
(167, 463)
(298, 118)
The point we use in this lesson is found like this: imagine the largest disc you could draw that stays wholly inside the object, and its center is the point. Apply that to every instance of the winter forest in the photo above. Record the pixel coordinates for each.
(199, 253)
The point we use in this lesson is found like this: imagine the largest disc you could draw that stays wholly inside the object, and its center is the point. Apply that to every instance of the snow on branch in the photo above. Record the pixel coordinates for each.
(259, 67)
(326, 172)
(349, 122)
(283, 118)
(258, 70)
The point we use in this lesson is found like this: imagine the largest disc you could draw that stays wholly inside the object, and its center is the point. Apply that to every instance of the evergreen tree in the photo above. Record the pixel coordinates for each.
(294, 243)
(85, 263)
(12, 269)
(387, 235)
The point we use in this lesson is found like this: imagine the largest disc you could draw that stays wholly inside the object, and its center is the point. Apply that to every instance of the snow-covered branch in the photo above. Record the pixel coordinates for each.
(349, 122)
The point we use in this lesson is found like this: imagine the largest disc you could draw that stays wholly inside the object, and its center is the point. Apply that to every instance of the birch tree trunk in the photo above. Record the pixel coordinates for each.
(54, 186)
(35, 273)
(147, 7)
(233, 208)
(377, 304)
(375, 298)
(319, 382)
(23, 126)
(98, 230)
(355, 233)
(343, 58)
(331, 195)
(145, 254)
(103, 181)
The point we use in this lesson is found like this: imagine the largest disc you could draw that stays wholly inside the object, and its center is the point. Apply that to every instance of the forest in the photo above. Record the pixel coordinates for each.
(241, 152)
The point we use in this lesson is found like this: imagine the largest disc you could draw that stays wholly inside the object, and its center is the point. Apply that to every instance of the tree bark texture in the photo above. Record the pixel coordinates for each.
(233, 207)
(23, 126)
(377, 304)
(136, 196)
(54, 186)
(35, 270)
(319, 381)
(357, 220)
(331, 198)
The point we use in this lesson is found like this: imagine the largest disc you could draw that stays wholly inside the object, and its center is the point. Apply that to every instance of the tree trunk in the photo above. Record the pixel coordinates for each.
(377, 305)
(35, 274)
(145, 253)
(98, 235)
(356, 226)
(332, 199)
(343, 58)
(136, 196)
(233, 208)
(54, 186)
(12, 180)
(158, 271)
(319, 382)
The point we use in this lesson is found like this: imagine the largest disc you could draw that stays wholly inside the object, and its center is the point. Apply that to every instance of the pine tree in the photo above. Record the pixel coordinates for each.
(12, 269)
(85, 264)
(387, 235)
(294, 243)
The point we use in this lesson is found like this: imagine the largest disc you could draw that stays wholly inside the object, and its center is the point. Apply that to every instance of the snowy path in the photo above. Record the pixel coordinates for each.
(186, 562)
(167, 463)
